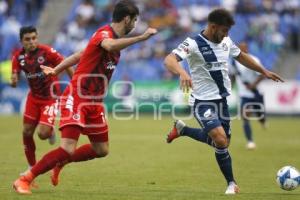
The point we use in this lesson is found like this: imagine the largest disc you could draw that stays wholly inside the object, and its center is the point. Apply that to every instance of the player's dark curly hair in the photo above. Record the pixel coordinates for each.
(27, 29)
(124, 8)
(221, 16)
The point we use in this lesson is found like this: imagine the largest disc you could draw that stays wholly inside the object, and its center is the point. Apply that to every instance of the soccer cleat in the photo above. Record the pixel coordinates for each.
(22, 185)
(55, 174)
(250, 146)
(232, 188)
(33, 184)
(52, 138)
(175, 132)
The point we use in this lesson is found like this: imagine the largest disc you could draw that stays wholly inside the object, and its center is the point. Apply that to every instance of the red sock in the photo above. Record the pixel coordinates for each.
(49, 161)
(29, 149)
(84, 153)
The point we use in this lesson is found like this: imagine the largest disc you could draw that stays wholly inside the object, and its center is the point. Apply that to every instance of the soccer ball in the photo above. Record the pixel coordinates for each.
(288, 178)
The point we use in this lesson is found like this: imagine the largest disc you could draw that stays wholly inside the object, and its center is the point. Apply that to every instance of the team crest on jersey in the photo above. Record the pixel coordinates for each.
(225, 47)
(76, 117)
(41, 59)
(21, 57)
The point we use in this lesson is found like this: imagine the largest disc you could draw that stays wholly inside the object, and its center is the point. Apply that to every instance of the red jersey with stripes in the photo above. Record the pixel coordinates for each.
(40, 85)
(95, 67)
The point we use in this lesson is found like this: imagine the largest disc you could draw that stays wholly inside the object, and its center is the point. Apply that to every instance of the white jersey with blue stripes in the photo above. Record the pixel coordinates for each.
(208, 63)
(245, 75)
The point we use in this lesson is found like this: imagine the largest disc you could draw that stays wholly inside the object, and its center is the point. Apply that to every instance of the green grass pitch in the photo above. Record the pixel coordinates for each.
(141, 165)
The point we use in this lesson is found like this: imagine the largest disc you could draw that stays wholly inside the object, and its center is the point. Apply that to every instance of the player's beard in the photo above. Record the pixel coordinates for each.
(216, 38)
(30, 48)
(128, 30)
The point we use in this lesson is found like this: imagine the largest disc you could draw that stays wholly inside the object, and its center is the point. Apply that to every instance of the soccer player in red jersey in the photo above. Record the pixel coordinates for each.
(82, 111)
(41, 104)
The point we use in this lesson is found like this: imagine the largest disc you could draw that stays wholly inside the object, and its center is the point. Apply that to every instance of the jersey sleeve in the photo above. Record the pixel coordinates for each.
(16, 68)
(99, 36)
(234, 51)
(232, 68)
(185, 49)
(53, 56)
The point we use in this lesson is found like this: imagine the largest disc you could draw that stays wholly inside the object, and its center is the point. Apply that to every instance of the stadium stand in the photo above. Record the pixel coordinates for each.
(265, 25)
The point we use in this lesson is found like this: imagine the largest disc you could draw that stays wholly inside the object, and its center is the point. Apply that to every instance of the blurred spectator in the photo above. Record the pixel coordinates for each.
(265, 24)
(86, 11)
(3, 7)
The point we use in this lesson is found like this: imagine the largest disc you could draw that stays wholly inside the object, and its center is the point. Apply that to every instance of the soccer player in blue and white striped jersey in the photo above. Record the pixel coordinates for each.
(207, 55)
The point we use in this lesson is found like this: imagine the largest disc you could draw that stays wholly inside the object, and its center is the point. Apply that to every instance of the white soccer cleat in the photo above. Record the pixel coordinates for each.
(251, 146)
(232, 188)
(52, 138)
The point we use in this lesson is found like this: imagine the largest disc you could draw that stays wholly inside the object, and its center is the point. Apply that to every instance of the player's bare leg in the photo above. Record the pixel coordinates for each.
(101, 148)
(47, 132)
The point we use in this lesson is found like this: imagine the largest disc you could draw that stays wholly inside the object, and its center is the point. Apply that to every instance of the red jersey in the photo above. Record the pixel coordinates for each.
(95, 67)
(40, 85)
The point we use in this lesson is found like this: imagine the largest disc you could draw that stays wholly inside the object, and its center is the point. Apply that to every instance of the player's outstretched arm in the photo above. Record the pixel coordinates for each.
(172, 64)
(110, 44)
(249, 62)
(70, 71)
(65, 64)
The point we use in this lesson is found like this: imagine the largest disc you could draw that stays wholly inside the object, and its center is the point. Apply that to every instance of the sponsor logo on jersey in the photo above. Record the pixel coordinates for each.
(41, 59)
(208, 65)
(214, 65)
(110, 65)
(209, 52)
(34, 75)
(225, 47)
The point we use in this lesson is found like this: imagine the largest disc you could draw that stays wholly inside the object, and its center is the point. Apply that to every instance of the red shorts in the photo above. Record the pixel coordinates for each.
(87, 114)
(40, 111)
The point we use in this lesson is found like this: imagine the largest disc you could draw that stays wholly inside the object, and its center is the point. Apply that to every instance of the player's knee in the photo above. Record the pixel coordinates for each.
(28, 131)
(43, 135)
(221, 141)
(102, 152)
(219, 137)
